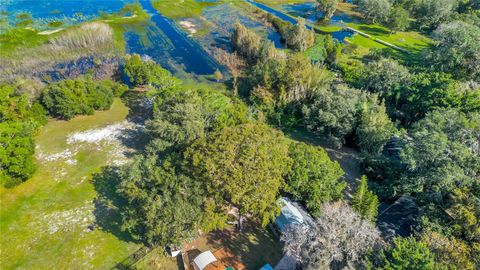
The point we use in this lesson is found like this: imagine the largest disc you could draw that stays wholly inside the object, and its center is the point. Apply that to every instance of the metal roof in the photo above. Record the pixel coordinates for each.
(204, 259)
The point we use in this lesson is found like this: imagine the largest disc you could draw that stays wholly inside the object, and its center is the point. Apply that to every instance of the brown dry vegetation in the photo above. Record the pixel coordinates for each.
(89, 39)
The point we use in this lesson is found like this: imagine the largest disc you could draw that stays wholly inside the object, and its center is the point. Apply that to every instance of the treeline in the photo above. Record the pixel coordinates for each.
(423, 15)
(417, 132)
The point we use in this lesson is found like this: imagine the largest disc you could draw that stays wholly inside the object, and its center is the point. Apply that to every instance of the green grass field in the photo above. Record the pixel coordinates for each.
(44, 221)
(412, 41)
(181, 8)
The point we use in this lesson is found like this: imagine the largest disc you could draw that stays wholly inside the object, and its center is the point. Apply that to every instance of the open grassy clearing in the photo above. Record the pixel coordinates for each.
(412, 41)
(181, 8)
(44, 221)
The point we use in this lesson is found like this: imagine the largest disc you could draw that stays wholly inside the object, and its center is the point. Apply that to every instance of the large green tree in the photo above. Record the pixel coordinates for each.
(456, 49)
(19, 120)
(374, 128)
(299, 37)
(188, 115)
(431, 13)
(375, 11)
(162, 205)
(332, 113)
(146, 72)
(441, 153)
(68, 98)
(398, 19)
(243, 166)
(314, 178)
(328, 7)
(408, 253)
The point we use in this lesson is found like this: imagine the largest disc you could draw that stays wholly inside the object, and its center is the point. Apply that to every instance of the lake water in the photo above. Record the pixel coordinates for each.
(167, 44)
(311, 15)
(160, 39)
(68, 11)
(222, 19)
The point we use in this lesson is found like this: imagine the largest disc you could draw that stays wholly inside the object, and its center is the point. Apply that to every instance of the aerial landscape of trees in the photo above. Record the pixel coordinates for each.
(220, 151)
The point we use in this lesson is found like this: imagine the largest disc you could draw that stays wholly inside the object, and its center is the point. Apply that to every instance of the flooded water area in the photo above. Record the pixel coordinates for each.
(308, 11)
(181, 44)
(68, 12)
(222, 19)
(166, 43)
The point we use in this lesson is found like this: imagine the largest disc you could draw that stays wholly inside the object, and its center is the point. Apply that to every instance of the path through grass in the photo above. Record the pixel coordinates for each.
(44, 221)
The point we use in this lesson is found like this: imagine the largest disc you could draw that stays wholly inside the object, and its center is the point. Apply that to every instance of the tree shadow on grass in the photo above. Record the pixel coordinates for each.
(371, 30)
(108, 203)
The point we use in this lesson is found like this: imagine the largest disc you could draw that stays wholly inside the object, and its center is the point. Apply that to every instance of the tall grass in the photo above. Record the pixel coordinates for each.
(95, 38)
(87, 36)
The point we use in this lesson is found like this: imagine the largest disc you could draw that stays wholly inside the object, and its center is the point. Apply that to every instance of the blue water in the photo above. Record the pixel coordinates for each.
(308, 11)
(169, 46)
(222, 19)
(69, 11)
(312, 15)
(272, 11)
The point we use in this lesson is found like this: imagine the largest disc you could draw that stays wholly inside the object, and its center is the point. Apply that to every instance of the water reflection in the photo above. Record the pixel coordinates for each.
(163, 41)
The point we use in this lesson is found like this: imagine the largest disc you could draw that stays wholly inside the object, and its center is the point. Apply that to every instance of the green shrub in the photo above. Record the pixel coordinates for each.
(140, 72)
(68, 98)
(19, 121)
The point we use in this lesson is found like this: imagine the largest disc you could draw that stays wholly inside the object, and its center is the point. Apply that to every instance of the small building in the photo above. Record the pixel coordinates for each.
(203, 260)
(292, 214)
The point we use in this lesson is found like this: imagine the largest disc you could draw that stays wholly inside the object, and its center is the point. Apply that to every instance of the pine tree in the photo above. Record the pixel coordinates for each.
(365, 201)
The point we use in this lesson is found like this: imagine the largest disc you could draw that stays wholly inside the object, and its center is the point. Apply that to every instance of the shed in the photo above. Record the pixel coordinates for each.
(292, 214)
(203, 260)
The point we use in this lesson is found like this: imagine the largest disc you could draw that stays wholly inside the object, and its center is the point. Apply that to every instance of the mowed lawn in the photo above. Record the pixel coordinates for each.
(44, 222)
(412, 41)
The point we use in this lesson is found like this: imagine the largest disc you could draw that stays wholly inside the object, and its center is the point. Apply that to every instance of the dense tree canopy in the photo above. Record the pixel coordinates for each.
(431, 13)
(456, 49)
(146, 72)
(244, 167)
(68, 98)
(163, 206)
(450, 253)
(374, 128)
(299, 38)
(408, 253)
(187, 115)
(442, 152)
(332, 113)
(314, 178)
(375, 10)
(398, 19)
(19, 120)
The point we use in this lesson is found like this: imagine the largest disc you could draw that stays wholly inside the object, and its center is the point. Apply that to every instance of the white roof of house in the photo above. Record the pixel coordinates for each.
(204, 259)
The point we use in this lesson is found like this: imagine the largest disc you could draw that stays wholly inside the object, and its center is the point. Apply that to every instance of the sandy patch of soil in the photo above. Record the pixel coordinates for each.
(189, 26)
(49, 32)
